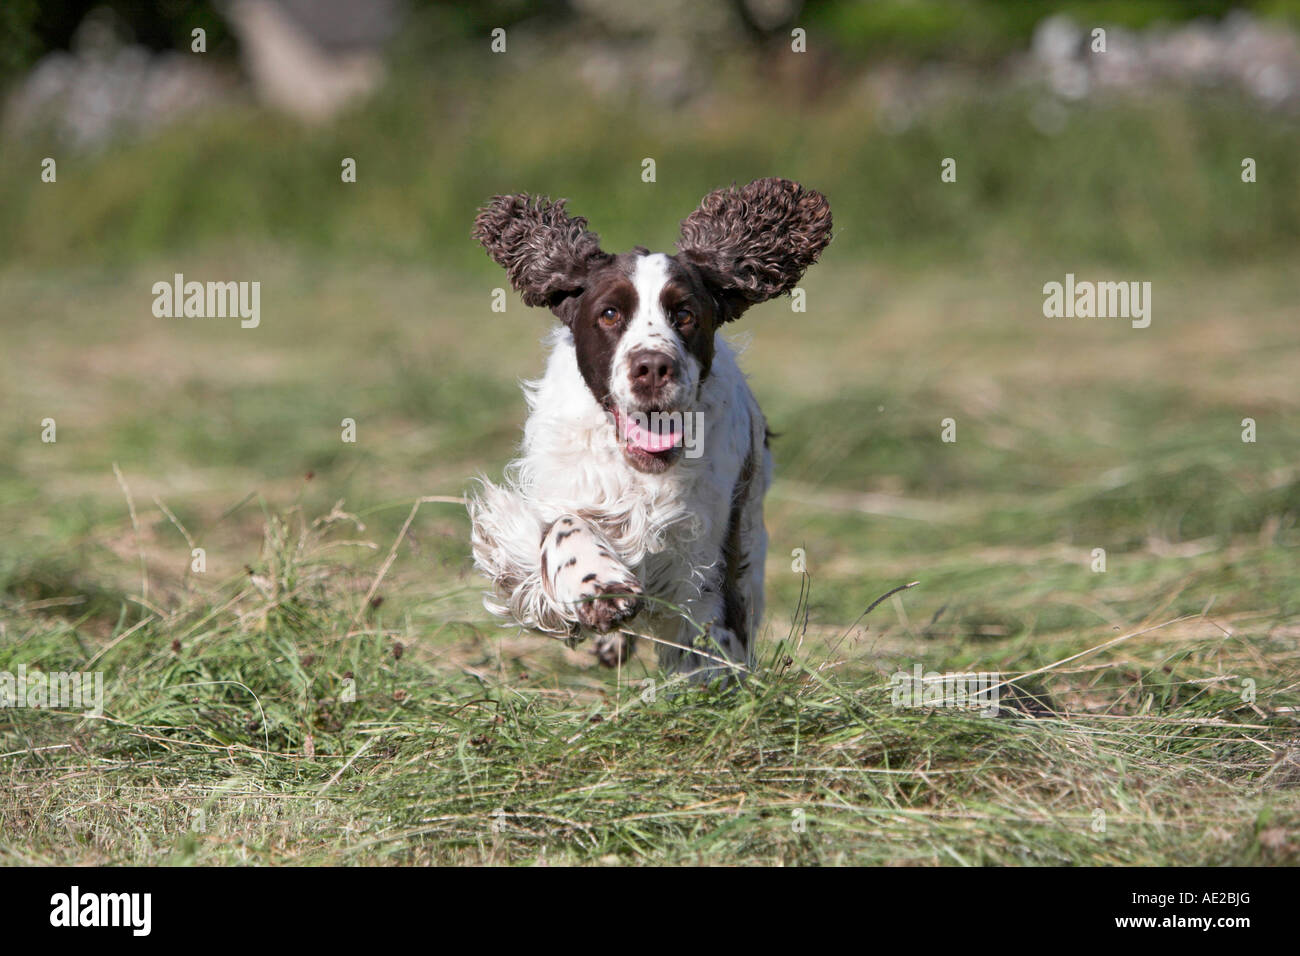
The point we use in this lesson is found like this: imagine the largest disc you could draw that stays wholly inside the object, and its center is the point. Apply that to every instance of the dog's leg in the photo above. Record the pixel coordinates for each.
(721, 624)
(584, 575)
(744, 602)
(702, 647)
(555, 577)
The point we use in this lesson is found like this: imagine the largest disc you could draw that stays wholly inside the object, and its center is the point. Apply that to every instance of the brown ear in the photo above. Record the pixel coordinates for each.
(756, 242)
(545, 252)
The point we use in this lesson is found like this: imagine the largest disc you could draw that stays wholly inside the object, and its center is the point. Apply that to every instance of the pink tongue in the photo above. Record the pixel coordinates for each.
(646, 439)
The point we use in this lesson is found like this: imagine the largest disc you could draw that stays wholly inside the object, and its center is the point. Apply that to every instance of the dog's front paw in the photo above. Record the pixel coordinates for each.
(605, 605)
(586, 577)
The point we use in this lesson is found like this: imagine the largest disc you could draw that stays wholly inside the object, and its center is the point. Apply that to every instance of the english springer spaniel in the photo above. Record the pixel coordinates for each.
(644, 462)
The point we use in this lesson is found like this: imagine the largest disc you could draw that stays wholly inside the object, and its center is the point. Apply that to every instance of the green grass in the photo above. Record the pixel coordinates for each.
(231, 749)
(1140, 182)
(227, 739)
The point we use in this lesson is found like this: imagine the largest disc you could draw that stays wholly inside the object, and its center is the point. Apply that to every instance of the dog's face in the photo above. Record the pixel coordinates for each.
(643, 324)
(643, 331)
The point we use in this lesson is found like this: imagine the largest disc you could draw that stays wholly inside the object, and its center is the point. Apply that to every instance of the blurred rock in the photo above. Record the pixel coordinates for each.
(308, 58)
(108, 85)
(1240, 51)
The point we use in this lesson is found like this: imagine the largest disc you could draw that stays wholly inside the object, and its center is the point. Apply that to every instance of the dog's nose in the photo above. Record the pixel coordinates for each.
(651, 371)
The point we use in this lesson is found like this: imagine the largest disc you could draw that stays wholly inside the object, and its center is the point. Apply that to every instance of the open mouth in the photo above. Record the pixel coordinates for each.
(651, 439)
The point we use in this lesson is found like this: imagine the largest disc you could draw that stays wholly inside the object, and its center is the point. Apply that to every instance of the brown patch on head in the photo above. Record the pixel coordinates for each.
(595, 338)
(610, 286)
(687, 291)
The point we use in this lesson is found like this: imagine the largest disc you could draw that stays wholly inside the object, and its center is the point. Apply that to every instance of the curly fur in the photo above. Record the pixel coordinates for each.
(545, 252)
(756, 242)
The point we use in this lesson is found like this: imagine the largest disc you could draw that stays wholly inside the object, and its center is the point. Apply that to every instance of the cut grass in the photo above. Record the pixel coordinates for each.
(230, 734)
(267, 729)
(228, 737)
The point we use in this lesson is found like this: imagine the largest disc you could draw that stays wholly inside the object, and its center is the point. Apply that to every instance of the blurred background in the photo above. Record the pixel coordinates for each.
(219, 155)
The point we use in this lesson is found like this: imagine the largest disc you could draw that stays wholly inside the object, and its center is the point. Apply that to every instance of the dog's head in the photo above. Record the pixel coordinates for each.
(643, 323)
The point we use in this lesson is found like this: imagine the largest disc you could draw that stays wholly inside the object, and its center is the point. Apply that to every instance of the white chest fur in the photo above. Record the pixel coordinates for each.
(671, 525)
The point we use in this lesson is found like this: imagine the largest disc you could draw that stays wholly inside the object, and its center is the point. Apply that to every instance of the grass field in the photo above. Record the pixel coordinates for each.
(329, 690)
(227, 736)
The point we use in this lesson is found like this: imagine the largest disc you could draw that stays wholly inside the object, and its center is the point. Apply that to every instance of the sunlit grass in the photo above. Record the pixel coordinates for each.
(230, 734)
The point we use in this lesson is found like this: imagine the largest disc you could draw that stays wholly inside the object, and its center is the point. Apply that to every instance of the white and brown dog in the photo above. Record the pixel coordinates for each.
(645, 460)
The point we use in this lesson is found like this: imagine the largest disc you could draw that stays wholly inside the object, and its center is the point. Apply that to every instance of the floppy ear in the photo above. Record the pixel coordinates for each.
(545, 252)
(754, 243)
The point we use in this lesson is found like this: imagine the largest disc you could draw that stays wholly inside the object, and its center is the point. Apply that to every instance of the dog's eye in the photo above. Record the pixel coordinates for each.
(684, 318)
(610, 317)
